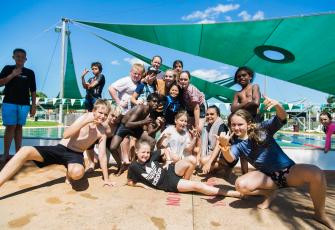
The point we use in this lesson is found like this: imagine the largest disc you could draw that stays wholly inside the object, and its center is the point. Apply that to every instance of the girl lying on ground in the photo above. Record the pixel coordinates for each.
(146, 172)
(274, 169)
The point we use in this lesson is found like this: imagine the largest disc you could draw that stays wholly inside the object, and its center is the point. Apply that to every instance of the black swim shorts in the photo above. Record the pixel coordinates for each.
(58, 154)
(279, 177)
(123, 131)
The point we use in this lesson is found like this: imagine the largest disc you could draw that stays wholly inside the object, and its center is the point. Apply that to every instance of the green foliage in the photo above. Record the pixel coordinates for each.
(41, 95)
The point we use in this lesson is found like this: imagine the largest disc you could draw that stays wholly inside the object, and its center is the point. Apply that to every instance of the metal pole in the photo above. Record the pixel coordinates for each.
(62, 70)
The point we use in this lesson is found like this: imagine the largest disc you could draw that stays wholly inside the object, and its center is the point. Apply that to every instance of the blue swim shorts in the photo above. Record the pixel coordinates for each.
(13, 114)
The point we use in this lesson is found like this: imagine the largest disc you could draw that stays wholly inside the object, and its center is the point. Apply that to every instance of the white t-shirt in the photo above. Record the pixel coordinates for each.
(125, 88)
(177, 142)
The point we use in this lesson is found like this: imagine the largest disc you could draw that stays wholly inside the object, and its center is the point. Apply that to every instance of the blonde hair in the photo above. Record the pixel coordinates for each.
(139, 66)
(254, 131)
(180, 114)
(102, 102)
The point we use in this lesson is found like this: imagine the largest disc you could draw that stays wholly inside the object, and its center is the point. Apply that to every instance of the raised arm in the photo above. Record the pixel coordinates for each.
(280, 112)
(83, 82)
(78, 124)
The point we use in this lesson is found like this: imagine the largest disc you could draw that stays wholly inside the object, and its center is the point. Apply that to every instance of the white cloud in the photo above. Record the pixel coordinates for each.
(115, 62)
(211, 13)
(258, 16)
(244, 15)
(206, 21)
(209, 74)
(228, 18)
(132, 61)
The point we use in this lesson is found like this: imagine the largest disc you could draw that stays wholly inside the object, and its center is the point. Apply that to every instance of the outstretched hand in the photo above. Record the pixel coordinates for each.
(269, 103)
(224, 138)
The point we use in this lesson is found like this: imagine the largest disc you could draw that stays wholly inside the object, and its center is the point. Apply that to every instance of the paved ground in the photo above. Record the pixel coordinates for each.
(39, 199)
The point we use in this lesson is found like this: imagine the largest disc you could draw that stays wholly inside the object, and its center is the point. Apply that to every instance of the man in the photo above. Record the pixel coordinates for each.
(84, 132)
(19, 86)
(94, 85)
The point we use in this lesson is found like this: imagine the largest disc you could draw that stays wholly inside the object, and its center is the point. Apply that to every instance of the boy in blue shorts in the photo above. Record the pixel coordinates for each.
(19, 85)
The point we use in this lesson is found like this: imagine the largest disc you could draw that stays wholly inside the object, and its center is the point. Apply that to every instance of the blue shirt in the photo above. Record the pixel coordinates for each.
(267, 158)
(144, 90)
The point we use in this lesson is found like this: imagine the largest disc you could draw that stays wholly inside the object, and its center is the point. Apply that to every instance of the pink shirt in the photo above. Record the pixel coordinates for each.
(192, 97)
(330, 129)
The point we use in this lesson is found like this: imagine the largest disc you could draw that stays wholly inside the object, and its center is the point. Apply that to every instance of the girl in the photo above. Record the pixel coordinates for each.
(172, 105)
(328, 128)
(146, 172)
(164, 85)
(274, 169)
(210, 150)
(177, 138)
(193, 100)
(147, 86)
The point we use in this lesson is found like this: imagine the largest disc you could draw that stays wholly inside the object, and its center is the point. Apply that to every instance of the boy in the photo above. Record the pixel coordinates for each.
(19, 86)
(85, 131)
(94, 85)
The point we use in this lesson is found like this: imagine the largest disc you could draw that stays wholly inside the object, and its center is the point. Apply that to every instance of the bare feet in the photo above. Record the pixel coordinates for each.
(324, 219)
(268, 199)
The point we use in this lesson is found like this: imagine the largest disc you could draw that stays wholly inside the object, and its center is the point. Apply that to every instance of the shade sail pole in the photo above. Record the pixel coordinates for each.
(62, 70)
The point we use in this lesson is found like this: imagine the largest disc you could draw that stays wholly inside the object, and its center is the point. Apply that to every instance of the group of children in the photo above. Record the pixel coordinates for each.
(191, 135)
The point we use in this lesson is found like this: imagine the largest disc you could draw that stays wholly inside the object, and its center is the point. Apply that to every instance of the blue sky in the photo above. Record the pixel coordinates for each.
(30, 25)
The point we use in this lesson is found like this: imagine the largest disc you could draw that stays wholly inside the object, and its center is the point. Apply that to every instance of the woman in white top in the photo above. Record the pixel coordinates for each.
(178, 139)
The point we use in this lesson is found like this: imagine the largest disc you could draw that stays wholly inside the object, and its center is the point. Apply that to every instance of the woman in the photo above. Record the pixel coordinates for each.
(328, 128)
(274, 169)
(211, 159)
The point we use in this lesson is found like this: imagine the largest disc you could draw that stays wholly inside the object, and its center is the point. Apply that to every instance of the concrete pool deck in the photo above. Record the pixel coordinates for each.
(39, 199)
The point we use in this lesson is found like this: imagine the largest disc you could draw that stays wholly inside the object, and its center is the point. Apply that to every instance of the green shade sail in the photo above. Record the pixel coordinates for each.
(306, 43)
(71, 89)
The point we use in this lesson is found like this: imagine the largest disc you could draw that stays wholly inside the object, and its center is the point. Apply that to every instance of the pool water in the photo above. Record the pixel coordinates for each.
(43, 133)
(300, 140)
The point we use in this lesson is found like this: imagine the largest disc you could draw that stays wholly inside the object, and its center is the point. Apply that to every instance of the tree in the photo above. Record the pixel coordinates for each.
(41, 95)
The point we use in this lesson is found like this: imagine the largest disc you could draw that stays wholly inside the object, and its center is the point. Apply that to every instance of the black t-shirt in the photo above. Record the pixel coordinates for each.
(17, 90)
(150, 173)
(96, 90)
(222, 128)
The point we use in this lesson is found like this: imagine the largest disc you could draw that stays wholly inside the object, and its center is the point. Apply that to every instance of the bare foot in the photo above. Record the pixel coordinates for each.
(91, 167)
(268, 199)
(325, 220)
(231, 193)
(68, 180)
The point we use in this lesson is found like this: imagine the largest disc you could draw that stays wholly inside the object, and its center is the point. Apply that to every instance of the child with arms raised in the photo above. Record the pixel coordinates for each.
(274, 169)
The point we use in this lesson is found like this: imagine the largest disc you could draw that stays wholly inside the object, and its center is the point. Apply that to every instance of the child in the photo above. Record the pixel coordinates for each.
(110, 125)
(147, 86)
(172, 104)
(274, 169)
(178, 139)
(85, 131)
(146, 172)
(132, 124)
(249, 96)
(94, 85)
(328, 128)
